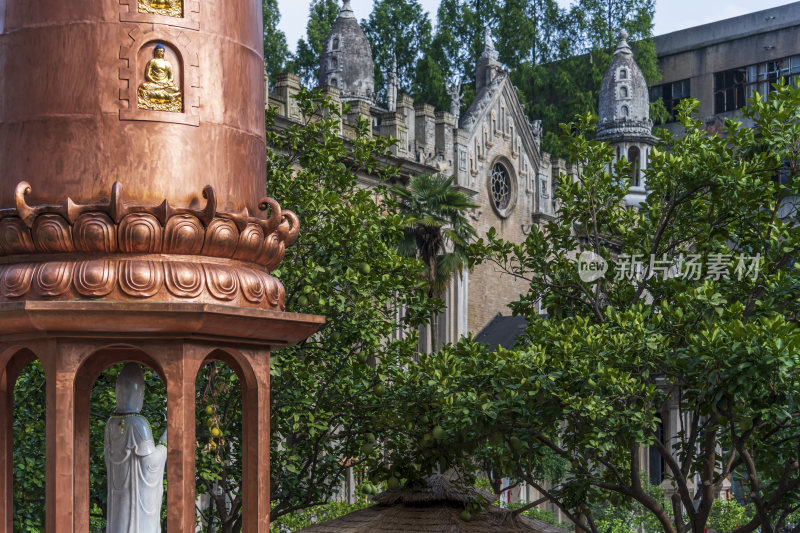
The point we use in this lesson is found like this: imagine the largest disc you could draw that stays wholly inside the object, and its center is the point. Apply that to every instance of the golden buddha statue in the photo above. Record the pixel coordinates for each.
(172, 8)
(158, 92)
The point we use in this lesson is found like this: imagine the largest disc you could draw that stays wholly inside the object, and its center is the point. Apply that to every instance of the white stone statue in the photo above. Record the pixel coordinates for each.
(135, 465)
(455, 93)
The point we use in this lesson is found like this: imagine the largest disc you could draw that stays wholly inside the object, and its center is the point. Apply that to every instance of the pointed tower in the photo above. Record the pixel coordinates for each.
(488, 67)
(346, 60)
(391, 87)
(624, 116)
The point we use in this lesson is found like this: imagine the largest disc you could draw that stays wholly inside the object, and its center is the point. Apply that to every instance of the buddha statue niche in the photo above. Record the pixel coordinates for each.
(158, 92)
(170, 8)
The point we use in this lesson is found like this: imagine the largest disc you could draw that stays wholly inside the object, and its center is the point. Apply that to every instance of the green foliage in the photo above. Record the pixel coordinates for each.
(333, 393)
(29, 449)
(218, 456)
(564, 72)
(659, 113)
(455, 47)
(275, 49)
(727, 515)
(586, 383)
(539, 514)
(397, 29)
(305, 61)
(306, 517)
(436, 227)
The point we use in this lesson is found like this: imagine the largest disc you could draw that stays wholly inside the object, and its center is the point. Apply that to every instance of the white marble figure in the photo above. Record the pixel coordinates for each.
(135, 465)
(455, 92)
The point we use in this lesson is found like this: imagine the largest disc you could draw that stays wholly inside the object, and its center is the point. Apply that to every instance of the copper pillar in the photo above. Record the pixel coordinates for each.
(134, 226)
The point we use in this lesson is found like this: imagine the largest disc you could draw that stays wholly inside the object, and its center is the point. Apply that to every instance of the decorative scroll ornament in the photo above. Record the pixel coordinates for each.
(120, 251)
(170, 8)
(158, 92)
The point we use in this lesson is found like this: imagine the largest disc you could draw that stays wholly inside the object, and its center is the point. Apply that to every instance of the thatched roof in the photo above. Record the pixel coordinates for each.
(436, 508)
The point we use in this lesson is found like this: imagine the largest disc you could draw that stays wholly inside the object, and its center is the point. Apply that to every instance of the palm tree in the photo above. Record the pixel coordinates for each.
(437, 230)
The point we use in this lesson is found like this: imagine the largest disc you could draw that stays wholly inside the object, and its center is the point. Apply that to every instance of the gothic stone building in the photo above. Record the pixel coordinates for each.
(492, 150)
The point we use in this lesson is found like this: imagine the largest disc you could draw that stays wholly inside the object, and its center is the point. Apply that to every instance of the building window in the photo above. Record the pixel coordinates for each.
(623, 92)
(733, 87)
(623, 74)
(625, 111)
(334, 63)
(335, 43)
(729, 89)
(334, 83)
(500, 188)
(671, 94)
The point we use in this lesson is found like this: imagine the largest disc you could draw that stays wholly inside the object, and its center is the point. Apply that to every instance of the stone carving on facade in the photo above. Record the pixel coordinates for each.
(172, 253)
(134, 463)
(488, 44)
(456, 93)
(536, 131)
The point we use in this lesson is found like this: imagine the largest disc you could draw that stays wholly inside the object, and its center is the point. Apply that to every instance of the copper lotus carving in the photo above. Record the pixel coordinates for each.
(120, 251)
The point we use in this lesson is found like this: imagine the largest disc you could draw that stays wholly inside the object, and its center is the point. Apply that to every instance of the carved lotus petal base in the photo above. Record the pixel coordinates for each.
(111, 250)
(126, 279)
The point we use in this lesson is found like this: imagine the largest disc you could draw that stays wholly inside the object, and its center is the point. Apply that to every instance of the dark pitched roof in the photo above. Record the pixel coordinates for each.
(502, 331)
(435, 509)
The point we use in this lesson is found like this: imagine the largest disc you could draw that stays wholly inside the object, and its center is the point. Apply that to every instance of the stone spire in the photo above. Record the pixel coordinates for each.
(347, 10)
(346, 59)
(488, 67)
(624, 116)
(391, 89)
(624, 103)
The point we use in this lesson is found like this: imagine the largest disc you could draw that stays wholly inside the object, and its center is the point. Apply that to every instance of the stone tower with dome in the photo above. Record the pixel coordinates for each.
(624, 116)
(346, 59)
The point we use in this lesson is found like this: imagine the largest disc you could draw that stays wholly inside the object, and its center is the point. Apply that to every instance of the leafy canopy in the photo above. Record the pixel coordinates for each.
(586, 384)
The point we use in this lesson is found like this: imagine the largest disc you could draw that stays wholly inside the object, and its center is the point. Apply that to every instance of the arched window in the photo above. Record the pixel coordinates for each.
(625, 111)
(334, 83)
(623, 74)
(623, 92)
(335, 43)
(634, 156)
(334, 63)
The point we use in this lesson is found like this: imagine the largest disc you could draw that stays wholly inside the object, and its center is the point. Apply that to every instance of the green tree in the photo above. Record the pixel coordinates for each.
(305, 61)
(528, 32)
(457, 44)
(401, 30)
(728, 515)
(437, 230)
(587, 382)
(332, 392)
(29, 449)
(576, 50)
(275, 50)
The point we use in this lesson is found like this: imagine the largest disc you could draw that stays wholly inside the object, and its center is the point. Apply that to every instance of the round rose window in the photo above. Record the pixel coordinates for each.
(501, 187)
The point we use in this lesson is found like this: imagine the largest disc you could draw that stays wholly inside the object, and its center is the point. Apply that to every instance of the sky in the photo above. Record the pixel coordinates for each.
(671, 15)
